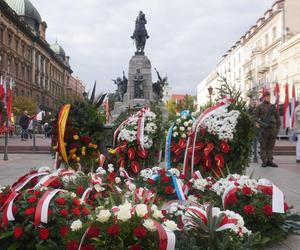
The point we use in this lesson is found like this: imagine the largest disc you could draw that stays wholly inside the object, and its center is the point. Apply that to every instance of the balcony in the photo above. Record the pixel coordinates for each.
(256, 51)
(249, 75)
(263, 68)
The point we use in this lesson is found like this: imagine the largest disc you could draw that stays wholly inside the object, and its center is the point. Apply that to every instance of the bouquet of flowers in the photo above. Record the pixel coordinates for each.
(138, 141)
(126, 226)
(177, 138)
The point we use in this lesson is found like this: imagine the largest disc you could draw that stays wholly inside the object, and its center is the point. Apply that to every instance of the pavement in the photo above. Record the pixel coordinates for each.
(286, 177)
(40, 140)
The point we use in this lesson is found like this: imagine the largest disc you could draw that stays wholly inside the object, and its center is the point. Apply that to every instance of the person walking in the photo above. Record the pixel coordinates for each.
(297, 131)
(24, 122)
(268, 121)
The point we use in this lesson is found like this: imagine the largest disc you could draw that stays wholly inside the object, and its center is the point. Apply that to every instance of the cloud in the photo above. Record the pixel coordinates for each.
(187, 38)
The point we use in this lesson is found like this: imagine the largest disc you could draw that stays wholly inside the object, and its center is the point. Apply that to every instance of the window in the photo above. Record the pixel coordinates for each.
(8, 65)
(23, 49)
(1, 59)
(23, 71)
(22, 92)
(274, 33)
(1, 34)
(239, 57)
(298, 94)
(9, 40)
(266, 40)
(233, 62)
(29, 54)
(17, 44)
(17, 69)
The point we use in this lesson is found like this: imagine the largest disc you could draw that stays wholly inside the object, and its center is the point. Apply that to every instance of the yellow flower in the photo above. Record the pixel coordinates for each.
(83, 153)
(77, 159)
(73, 156)
(112, 151)
(95, 146)
(83, 148)
(91, 145)
(76, 137)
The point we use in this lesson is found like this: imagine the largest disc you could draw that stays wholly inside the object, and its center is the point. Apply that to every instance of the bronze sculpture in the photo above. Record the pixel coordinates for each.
(140, 34)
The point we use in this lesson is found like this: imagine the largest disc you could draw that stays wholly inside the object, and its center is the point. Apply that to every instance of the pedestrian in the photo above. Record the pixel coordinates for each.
(268, 122)
(297, 131)
(24, 122)
(252, 107)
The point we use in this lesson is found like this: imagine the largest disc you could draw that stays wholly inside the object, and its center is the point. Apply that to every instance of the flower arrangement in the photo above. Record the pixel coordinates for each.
(138, 141)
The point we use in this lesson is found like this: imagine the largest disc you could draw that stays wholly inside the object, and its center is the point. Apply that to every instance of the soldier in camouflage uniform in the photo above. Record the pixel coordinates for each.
(268, 133)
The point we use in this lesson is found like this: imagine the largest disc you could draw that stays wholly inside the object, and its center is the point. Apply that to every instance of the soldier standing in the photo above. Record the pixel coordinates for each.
(268, 121)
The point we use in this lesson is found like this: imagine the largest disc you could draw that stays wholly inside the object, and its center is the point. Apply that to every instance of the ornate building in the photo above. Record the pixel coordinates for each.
(39, 70)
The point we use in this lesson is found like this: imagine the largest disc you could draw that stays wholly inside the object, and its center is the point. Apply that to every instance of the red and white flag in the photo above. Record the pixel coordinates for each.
(277, 95)
(2, 97)
(286, 108)
(293, 105)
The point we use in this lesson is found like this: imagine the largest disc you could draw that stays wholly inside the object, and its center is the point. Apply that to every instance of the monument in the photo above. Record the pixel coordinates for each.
(138, 89)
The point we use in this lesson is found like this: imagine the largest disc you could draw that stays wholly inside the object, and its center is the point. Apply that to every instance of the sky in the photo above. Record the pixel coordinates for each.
(187, 37)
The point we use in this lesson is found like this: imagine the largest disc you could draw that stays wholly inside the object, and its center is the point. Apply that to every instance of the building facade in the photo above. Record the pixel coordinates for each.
(39, 71)
(77, 88)
(267, 53)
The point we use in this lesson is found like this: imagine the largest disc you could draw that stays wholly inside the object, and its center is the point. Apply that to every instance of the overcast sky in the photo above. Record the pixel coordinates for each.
(187, 37)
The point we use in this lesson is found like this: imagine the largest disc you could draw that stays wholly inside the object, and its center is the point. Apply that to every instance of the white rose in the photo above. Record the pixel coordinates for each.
(141, 210)
(101, 171)
(171, 225)
(124, 214)
(154, 207)
(149, 224)
(73, 195)
(117, 180)
(76, 225)
(103, 216)
(111, 168)
(157, 214)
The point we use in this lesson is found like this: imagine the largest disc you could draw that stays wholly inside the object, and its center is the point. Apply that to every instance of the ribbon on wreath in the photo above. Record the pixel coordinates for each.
(7, 214)
(228, 193)
(143, 194)
(186, 187)
(86, 194)
(169, 140)
(118, 131)
(220, 107)
(19, 185)
(167, 238)
(41, 212)
(140, 136)
(46, 180)
(277, 195)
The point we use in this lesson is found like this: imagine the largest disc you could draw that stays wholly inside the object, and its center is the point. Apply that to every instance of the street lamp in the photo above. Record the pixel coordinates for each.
(210, 92)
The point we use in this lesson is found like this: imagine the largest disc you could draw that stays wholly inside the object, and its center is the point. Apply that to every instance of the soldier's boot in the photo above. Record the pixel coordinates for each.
(264, 165)
(272, 164)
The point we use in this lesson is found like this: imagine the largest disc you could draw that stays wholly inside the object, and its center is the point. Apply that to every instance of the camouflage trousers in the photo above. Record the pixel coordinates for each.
(267, 142)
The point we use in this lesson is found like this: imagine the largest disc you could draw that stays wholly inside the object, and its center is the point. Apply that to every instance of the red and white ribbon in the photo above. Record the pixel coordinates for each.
(277, 195)
(8, 205)
(64, 172)
(230, 190)
(227, 223)
(218, 108)
(28, 178)
(41, 212)
(198, 211)
(118, 131)
(86, 194)
(140, 137)
(186, 187)
(143, 194)
(46, 180)
(167, 238)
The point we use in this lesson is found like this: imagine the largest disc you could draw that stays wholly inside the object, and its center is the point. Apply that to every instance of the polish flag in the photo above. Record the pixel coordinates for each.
(293, 105)
(286, 108)
(9, 100)
(2, 97)
(277, 96)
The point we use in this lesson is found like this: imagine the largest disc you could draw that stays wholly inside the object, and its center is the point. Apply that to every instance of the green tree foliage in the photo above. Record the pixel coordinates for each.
(173, 107)
(22, 103)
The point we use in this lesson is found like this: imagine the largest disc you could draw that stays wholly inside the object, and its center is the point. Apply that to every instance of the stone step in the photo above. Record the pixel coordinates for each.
(26, 149)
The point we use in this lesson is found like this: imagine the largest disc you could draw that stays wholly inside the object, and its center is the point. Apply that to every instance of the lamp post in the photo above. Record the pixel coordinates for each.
(210, 92)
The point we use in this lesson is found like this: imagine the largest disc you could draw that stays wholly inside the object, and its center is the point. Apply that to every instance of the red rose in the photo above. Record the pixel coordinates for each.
(87, 247)
(267, 190)
(76, 211)
(224, 147)
(135, 247)
(165, 179)
(140, 232)
(151, 182)
(267, 210)
(72, 245)
(64, 212)
(286, 207)
(93, 232)
(111, 176)
(232, 199)
(18, 232)
(135, 167)
(56, 183)
(113, 230)
(31, 199)
(246, 190)
(44, 233)
(162, 171)
(169, 190)
(60, 201)
(131, 154)
(63, 231)
(30, 211)
(79, 190)
(76, 202)
(37, 193)
(14, 209)
(249, 209)
(85, 211)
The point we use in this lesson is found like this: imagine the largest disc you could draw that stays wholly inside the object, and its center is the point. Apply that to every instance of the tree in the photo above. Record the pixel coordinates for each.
(173, 107)
(22, 103)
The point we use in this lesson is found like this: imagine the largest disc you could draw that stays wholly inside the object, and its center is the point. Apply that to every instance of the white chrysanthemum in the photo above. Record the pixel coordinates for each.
(76, 225)
(181, 128)
(117, 180)
(141, 210)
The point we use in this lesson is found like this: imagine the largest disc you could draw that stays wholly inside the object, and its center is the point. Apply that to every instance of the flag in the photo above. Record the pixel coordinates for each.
(39, 116)
(2, 97)
(293, 105)
(9, 100)
(286, 108)
(277, 96)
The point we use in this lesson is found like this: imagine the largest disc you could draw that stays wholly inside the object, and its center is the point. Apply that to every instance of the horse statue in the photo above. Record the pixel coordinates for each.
(140, 34)
(159, 85)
